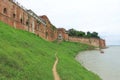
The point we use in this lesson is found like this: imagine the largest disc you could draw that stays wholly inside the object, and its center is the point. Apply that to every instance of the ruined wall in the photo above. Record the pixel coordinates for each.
(14, 14)
(51, 30)
(90, 41)
(62, 34)
(102, 43)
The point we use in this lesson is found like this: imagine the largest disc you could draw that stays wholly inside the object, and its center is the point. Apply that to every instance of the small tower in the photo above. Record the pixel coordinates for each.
(62, 34)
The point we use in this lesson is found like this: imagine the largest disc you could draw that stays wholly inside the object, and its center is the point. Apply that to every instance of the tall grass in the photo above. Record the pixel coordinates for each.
(25, 56)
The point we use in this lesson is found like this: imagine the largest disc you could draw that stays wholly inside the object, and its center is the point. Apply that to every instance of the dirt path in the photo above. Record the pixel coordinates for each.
(55, 74)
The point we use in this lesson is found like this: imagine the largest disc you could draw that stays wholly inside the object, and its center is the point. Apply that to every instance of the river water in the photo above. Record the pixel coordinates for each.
(106, 65)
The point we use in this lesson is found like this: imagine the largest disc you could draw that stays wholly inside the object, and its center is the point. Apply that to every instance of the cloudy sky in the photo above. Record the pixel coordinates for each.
(102, 16)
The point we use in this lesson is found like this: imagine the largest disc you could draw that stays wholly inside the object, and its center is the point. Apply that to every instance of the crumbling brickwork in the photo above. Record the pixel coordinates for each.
(90, 41)
(12, 13)
(62, 34)
(51, 30)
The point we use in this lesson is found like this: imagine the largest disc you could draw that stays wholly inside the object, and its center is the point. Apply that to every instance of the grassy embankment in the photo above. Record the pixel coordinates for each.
(24, 56)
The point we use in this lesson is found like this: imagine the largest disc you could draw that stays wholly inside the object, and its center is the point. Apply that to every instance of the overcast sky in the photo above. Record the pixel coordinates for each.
(102, 16)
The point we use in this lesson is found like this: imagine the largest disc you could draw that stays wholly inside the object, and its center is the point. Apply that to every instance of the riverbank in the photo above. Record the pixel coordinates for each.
(68, 67)
(105, 65)
(25, 56)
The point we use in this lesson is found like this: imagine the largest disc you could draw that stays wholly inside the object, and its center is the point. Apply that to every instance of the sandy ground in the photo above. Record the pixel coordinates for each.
(55, 74)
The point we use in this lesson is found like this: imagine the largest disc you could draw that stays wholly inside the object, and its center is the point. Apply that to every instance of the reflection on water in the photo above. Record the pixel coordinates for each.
(106, 65)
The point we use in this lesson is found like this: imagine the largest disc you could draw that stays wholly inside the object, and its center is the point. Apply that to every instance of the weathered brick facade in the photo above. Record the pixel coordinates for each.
(90, 41)
(62, 34)
(102, 43)
(17, 16)
(51, 30)
(12, 13)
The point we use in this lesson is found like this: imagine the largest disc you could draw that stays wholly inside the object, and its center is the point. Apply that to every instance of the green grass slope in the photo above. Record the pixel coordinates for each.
(24, 56)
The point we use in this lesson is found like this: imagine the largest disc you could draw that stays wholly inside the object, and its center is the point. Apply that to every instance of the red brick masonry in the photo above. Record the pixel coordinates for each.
(12, 13)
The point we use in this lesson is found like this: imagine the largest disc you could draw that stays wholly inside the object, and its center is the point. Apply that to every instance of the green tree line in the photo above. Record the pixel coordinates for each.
(76, 33)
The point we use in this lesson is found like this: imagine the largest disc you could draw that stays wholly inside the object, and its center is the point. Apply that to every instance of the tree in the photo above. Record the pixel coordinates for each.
(72, 32)
(75, 33)
(95, 35)
(88, 34)
(80, 33)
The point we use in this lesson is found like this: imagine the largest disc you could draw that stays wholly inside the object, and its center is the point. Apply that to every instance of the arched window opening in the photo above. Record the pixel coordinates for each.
(14, 15)
(46, 35)
(27, 23)
(5, 10)
(21, 20)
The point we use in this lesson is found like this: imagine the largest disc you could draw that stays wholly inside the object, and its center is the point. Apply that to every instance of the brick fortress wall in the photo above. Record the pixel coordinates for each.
(90, 41)
(12, 13)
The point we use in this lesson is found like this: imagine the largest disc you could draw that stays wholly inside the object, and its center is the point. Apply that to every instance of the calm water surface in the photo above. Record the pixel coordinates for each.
(106, 65)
